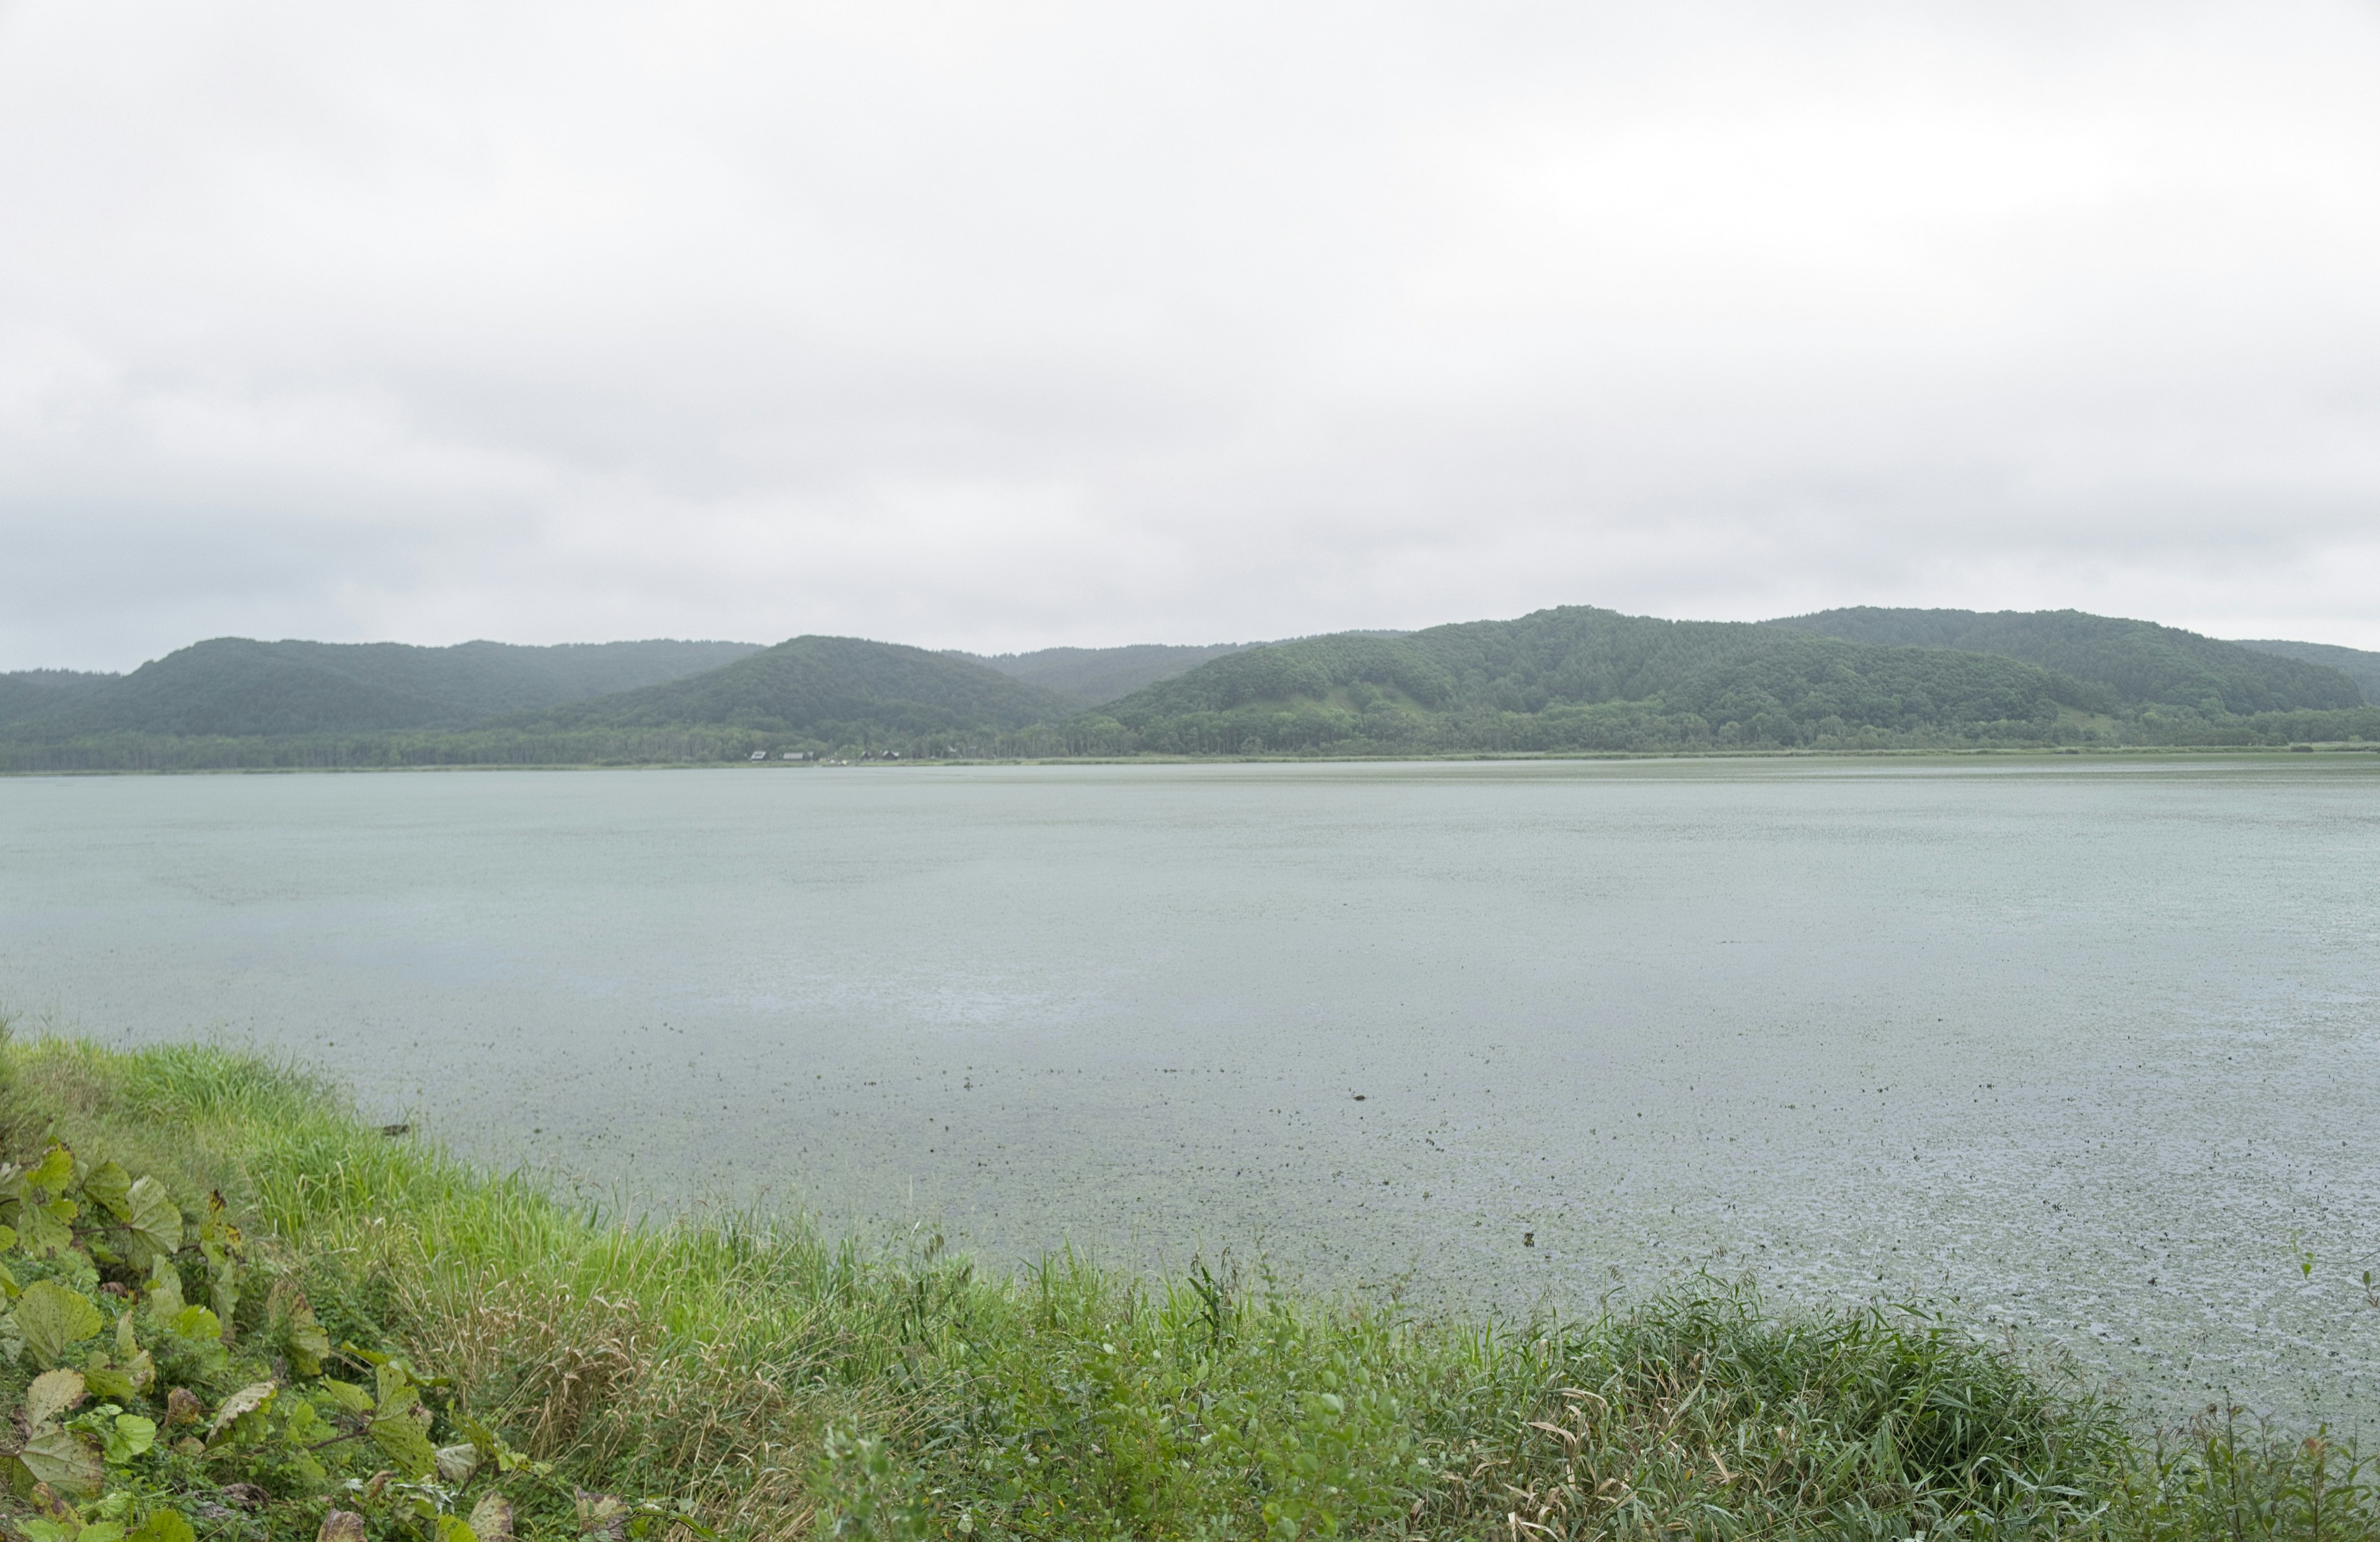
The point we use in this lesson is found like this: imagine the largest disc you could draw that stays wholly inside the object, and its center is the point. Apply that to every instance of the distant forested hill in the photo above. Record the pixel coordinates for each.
(1087, 677)
(1580, 678)
(1573, 679)
(828, 692)
(2358, 665)
(2137, 662)
(236, 687)
(31, 692)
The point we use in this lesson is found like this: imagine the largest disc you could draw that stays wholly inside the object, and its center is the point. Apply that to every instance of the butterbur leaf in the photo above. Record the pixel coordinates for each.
(308, 1343)
(217, 1236)
(182, 1407)
(453, 1528)
(198, 1324)
(456, 1464)
(109, 1186)
(63, 1459)
(163, 1526)
(164, 1290)
(105, 1381)
(54, 1172)
(604, 1515)
(7, 1238)
(52, 1317)
(50, 1505)
(347, 1395)
(46, 1231)
(248, 1400)
(341, 1526)
(401, 1440)
(127, 1436)
(156, 1219)
(52, 1393)
(491, 1519)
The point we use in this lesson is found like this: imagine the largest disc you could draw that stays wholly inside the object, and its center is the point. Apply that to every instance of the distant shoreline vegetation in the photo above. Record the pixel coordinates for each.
(1573, 681)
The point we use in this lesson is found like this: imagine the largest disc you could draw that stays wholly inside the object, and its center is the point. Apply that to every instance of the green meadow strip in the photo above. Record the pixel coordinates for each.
(309, 1326)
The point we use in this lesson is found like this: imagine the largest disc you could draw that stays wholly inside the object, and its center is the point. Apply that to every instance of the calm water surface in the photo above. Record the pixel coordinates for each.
(2087, 1048)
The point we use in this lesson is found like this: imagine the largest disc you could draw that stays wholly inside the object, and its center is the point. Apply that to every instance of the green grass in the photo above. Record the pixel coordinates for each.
(774, 1381)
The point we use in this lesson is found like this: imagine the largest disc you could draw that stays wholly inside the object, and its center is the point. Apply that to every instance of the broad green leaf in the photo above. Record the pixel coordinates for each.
(164, 1290)
(198, 1324)
(491, 1519)
(46, 1231)
(163, 1526)
(393, 1389)
(347, 1395)
(217, 1236)
(156, 1219)
(54, 1171)
(52, 1393)
(46, 1530)
(53, 1317)
(7, 1238)
(308, 1343)
(453, 1528)
(105, 1381)
(101, 1531)
(110, 1186)
(456, 1464)
(127, 1436)
(303, 1424)
(248, 1400)
(401, 1438)
(64, 1459)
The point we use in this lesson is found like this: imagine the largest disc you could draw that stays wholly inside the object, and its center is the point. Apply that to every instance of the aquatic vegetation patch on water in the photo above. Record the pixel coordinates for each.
(340, 1333)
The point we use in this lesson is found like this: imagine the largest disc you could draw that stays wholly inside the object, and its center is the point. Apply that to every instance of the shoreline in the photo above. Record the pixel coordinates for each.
(760, 1377)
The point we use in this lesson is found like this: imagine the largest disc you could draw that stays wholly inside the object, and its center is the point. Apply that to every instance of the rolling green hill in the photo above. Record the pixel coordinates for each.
(2356, 663)
(31, 692)
(1087, 677)
(826, 692)
(2135, 663)
(237, 687)
(1580, 678)
(1572, 679)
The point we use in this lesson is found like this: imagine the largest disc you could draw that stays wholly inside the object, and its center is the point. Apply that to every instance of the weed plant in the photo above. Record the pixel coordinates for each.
(753, 1377)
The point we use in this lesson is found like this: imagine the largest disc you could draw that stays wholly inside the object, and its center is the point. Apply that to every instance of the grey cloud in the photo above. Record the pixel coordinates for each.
(1002, 327)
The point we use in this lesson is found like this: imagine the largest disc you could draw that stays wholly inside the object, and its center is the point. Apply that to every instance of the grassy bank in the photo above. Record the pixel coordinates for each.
(369, 1339)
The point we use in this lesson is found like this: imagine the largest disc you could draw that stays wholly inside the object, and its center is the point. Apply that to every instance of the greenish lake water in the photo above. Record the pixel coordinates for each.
(2090, 1048)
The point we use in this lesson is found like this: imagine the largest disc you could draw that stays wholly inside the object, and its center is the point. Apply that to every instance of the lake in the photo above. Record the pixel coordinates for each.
(2085, 1046)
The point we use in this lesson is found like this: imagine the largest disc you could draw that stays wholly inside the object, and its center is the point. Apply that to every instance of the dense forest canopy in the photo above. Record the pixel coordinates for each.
(2357, 664)
(1580, 678)
(2137, 662)
(827, 691)
(1568, 680)
(236, 687)
(1086, 676)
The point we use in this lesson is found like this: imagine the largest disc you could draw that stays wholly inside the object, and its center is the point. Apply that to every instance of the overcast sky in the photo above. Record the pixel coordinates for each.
(1004, 325)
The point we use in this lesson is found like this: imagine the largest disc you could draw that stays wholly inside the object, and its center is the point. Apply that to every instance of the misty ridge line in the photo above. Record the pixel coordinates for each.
(1573, 679)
